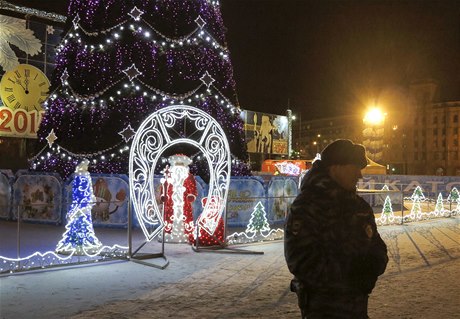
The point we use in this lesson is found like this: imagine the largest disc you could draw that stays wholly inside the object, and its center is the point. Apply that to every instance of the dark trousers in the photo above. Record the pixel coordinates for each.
(332, 305)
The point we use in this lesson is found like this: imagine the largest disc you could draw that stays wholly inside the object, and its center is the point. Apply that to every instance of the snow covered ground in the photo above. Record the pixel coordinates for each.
(422, 281)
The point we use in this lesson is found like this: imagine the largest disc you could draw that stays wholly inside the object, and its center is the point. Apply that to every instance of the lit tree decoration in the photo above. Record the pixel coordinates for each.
(79, 237)
(118, 63)
(387, 212)
(416, 198)
(454, 197)
(258, 221)
(439, 208)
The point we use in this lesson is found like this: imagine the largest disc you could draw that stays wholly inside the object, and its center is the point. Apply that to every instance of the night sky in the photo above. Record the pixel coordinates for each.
(327, 58)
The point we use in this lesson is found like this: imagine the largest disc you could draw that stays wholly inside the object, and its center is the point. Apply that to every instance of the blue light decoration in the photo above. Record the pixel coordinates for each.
(79, 237)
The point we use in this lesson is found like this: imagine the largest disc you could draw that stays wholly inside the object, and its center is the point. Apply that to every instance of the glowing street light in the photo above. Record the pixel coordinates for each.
(373, 133)
(374, 116)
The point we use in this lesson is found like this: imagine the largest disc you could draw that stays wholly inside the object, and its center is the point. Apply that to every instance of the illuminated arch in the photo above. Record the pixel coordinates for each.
(154, 136)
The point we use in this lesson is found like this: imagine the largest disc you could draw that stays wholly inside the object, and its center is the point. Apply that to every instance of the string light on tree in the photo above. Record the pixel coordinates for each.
(115, 72)
(417, 197)
(439, 208)
(258, 221)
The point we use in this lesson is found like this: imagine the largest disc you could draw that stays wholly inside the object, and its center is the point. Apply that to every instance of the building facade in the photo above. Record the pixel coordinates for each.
(419, 138)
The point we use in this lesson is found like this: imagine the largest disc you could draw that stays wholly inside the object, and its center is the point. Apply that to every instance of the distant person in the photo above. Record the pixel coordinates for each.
(332, 246)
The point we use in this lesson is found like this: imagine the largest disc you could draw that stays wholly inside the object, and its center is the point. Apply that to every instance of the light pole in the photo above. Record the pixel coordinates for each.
(373, 132)
(289, 116)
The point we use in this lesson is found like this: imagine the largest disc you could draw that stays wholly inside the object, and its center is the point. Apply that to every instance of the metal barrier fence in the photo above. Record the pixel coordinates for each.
(27, 243)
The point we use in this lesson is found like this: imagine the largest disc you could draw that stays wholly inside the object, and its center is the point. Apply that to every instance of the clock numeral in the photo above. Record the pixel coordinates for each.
(8, 89)
(17, 74)
(27, 73)
(41, 84)
(13, 81)
(11, 98)
(40, 100)
(35, 76)
(17, 105)
(44, 93)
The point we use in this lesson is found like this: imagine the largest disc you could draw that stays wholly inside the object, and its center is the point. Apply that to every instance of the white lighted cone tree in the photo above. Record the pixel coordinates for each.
(258, 221)
(417, 197)
(387, 212)
(79, 237)
(439, 208)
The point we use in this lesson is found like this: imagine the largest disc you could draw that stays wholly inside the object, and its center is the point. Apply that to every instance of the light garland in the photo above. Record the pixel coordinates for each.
(49, 259)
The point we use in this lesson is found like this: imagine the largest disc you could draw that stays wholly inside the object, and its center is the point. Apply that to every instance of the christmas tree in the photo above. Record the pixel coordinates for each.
(387, 212)
(258, 221)
(119, 62)
(439, 208)
(79, 237)
(417, 197)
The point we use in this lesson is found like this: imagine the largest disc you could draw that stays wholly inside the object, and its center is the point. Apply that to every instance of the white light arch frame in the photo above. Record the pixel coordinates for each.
(154, 136)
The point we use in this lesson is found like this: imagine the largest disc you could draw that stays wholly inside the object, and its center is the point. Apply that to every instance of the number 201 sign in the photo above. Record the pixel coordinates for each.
(19, 122)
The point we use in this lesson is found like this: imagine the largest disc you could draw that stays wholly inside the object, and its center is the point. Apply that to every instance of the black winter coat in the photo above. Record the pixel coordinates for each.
(331, 239)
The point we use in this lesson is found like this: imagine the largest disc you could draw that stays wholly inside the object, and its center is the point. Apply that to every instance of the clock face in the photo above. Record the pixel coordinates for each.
(25, 87)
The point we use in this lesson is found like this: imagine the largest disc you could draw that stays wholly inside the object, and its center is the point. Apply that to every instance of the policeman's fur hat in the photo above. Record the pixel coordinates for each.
(343, 152)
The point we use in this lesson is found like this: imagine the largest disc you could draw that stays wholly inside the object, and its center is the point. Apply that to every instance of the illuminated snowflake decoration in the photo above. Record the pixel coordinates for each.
(49, 29)
(76, 21)
(200, 22)
(158, 133)
(136, 14)
(207, 79)
(132, 72)
(127, 133)
(51, 138)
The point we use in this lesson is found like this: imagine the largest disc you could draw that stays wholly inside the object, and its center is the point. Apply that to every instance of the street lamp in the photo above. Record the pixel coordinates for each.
(373, 132)
(317, 146)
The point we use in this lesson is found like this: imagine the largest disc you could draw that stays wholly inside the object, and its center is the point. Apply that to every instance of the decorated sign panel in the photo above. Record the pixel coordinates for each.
(5, 196)
(265, 133)
(243, 196)
(111, 193)
(38, 198)
(280, 194)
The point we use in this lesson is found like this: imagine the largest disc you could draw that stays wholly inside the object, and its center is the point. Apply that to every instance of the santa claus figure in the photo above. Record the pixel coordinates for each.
(178, 194)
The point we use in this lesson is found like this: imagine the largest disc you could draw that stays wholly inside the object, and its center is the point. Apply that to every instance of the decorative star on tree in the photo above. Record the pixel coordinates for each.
(135, 13)
(76, 21)
(207, 79)
(51, 138)
(64, 77)
(127, 133)
(132, 72)
(201, 23)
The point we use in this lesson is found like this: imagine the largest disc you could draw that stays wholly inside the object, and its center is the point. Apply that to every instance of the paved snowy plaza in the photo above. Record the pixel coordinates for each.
(421, 282)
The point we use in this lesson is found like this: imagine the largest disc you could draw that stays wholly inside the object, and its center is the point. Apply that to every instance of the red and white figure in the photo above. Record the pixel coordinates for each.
(178, 194)
(210, 219)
